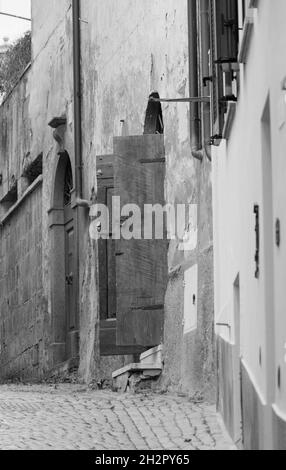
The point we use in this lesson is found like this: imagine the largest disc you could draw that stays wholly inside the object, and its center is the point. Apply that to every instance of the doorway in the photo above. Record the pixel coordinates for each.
(70, 297)
(65, 324)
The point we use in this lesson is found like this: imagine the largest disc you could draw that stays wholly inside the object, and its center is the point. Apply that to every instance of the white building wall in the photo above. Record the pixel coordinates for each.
(237, 186)
(278, 110)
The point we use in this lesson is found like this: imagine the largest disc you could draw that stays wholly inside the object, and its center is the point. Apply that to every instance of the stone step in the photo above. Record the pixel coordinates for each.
(135, 373)
(149, 368)
(146, 369)
(152, 356)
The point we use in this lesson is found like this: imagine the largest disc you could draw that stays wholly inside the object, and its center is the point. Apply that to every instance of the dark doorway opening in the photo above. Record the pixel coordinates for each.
(64, 305)
(70, 295)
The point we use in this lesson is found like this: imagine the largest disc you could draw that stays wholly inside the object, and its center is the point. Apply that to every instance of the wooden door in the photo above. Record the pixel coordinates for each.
(70, 298)
(141, 265)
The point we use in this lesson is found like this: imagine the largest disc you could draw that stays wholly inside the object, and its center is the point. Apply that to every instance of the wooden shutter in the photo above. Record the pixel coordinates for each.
(227, 30)
(224, 50)
(141, 265)
(107, 268)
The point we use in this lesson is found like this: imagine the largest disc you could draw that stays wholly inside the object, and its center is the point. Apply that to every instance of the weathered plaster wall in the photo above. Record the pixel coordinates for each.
(129, 51)
(46, 21)
(53, 97)
(190, 355)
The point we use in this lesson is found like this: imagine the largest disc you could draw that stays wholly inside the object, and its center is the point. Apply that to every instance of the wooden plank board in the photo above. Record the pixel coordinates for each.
(107, 269)
(106, 248)
(141, 268)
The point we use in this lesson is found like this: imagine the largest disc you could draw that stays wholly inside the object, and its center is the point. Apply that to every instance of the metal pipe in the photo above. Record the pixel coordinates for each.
(205, 67)
(194, 99)
(77, 97)
(77, 148)
(193, 78)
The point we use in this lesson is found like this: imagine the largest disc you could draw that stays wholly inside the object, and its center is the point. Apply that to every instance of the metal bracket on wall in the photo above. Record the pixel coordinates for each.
(194, 99)
(224, 324)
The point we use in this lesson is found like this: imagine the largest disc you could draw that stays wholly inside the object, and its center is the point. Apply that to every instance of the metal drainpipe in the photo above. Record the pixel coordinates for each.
(205, 68)
(77, 149)
(77, 97)
(193, 80)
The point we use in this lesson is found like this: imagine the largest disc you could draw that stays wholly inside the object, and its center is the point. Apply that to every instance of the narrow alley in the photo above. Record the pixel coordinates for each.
(142, 226)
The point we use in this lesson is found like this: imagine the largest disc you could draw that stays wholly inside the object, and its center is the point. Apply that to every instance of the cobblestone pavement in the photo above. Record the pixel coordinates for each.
(74, 417)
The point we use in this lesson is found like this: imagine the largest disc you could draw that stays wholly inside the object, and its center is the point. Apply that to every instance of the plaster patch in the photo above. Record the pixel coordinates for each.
(190, 239)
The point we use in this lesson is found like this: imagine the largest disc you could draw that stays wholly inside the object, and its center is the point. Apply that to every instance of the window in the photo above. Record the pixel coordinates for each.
(68, 185)
(33, 170)
(12, 196)
(224, 31)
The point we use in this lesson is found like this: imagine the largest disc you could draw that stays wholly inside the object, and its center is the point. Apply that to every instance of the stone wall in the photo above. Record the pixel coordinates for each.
(22, 309)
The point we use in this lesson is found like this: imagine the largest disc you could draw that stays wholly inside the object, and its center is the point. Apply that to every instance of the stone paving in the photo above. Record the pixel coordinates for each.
(74, 417)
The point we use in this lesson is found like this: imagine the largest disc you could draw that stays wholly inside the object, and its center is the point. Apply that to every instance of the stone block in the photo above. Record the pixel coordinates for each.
(152, 356)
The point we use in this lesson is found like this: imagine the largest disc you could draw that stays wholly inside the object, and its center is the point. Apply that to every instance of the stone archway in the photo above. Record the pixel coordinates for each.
(63, 288)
